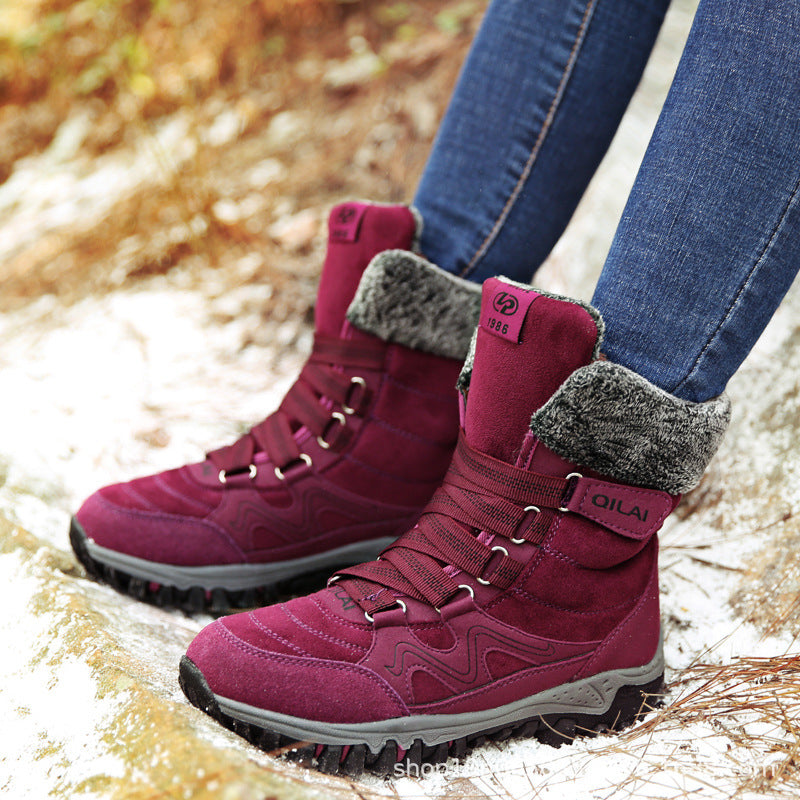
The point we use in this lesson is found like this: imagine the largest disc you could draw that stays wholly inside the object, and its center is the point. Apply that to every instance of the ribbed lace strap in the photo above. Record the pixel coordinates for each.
(442, 542)
(302, 406)
(331, 350)
(473, 470)
(307, 404)
(327, 382)
(480, 500)
(424, 573)
(239, 453)
(275, 437)
(467, 507)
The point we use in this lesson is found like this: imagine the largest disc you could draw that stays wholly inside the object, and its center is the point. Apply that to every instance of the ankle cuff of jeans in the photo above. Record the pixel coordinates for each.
(607, 418)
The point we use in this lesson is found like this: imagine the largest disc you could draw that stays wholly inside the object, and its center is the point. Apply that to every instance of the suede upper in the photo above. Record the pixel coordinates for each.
(365, 473)
(563, 592)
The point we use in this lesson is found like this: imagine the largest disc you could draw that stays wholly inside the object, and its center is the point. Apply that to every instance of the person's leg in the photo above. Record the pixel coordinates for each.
(709, 241)
(536, 106)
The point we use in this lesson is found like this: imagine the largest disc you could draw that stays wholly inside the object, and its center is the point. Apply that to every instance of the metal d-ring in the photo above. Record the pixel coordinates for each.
(460, 586)
(356, 381)
(251, 469)
(306, 459)
(399, 603)
(527, 509)
(339, 417)
(571, 475)
(497, 548)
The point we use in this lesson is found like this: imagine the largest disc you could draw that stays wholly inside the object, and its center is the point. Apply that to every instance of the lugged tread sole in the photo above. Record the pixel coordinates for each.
(630, 704)
(195, 599)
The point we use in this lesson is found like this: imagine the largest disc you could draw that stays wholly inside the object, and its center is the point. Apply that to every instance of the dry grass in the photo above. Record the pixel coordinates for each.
(751, 707)
(132, 59)
(144, 60)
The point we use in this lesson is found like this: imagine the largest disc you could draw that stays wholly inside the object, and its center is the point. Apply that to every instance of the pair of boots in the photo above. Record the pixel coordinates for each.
(522, 597)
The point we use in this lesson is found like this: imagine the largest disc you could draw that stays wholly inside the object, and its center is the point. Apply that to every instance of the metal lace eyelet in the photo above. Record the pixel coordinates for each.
(306, 459)
(460, 586)
(499, 549)
(356, 381)
(399, 603)
(526, 509)
(340, 418)
(570, 476)
(251, 470)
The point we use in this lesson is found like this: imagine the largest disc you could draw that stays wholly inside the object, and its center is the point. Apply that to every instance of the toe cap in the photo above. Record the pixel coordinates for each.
(153, 534)
(311, 688)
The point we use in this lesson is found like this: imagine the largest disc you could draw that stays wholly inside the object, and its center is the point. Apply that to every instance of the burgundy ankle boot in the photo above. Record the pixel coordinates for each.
(347, 462)
(525, 599)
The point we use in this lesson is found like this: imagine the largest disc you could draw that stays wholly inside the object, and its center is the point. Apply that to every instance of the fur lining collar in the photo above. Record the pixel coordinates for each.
(405, 299)
(611, 420)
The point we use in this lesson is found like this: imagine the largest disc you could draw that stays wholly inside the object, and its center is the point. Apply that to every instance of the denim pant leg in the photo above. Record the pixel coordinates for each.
(537, 104)
(709, 241)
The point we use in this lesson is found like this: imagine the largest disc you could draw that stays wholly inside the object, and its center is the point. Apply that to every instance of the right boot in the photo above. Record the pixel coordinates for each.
(346, 463)
(524, 601)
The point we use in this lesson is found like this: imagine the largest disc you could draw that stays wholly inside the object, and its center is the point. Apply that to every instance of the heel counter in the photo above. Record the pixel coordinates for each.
(636, 639)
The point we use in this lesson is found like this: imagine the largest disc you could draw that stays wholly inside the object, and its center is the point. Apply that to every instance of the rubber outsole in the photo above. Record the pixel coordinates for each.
(194, 599)
(630, 704)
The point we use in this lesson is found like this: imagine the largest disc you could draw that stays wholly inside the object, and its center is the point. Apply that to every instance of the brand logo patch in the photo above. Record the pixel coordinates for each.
(505, 304)
(504, 309)
(345, 215)
(345, 222)
(344, 598)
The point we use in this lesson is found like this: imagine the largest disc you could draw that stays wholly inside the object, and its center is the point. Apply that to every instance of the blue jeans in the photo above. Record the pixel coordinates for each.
(709, 241)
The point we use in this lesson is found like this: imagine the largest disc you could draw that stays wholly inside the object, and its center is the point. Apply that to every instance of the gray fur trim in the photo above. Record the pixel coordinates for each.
(465, 376)
(611, 420)
(405, 299)
(466, 371)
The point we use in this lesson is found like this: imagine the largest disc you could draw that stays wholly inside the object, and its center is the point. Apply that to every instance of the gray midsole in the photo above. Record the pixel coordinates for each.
(592, 695)
(235, 577)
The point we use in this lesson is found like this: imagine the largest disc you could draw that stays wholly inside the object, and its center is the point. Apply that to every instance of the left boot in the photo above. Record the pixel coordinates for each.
(524, 601)
(344, 465)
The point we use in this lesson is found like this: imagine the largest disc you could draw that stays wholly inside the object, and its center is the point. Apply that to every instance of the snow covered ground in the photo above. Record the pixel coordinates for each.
(107, 389)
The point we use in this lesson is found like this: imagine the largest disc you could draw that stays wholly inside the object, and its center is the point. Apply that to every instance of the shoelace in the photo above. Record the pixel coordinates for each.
(321, 382)
(479, 494)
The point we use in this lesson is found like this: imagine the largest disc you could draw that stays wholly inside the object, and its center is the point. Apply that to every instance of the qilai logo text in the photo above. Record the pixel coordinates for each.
(618, 506)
